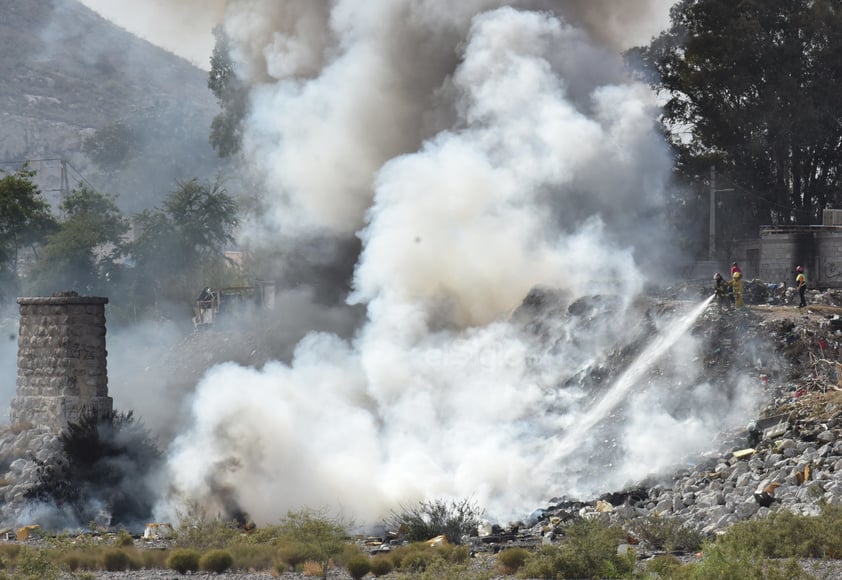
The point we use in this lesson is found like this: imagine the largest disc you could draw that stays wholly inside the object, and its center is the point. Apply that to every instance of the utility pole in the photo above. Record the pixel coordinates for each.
(712, 233)
(64, 188)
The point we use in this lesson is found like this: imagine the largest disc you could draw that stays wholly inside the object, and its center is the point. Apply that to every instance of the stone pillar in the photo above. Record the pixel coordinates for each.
(61, 360)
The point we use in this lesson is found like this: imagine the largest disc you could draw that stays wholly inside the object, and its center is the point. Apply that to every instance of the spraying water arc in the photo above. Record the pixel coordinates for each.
(662, 343)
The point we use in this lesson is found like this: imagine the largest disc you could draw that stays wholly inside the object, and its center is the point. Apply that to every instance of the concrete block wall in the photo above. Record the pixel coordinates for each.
(829, 261)
(818, 250)
(777, 258)
(61, 360)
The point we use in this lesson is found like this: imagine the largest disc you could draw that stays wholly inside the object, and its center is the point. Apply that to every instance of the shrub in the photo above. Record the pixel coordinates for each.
(124, 539)
(153, 558)
(313, 534)
(416, 561)
(440, 570)
(9, 552)
(348, 552)
(183, 560)
(34, 564)
(311, 568)
(216, 561)
(511, 559)
(71, 561)
(668, 534)
(264, 535)
(81, 559)
(397, 555)
(381, 565)
(253, 556)
(202, 532)
(115, 560)
(416, 557)
(429, 519)
(786, 535)
(722, 561)
(589, 550)
(453, 554)
(663, 566)
(293, 553)
(358, 566)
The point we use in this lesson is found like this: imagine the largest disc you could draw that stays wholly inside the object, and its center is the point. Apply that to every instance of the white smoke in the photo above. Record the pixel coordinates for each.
(8, 362)
(184, 26)
(496, 165)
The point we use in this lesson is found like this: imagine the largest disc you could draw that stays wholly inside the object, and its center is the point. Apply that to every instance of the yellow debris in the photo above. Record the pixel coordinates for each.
(25, 532)
(603, 506)
(743, 453)
(437, 541)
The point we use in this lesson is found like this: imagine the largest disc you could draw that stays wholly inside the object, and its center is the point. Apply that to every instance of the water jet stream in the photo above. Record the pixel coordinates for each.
(662, 343)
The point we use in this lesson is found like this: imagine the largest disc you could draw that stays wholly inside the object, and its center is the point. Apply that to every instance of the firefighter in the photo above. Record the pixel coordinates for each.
(801, 282)
(722, 290)
(737, 285)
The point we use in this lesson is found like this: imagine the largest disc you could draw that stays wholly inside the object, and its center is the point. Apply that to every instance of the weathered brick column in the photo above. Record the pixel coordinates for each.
(61, 360)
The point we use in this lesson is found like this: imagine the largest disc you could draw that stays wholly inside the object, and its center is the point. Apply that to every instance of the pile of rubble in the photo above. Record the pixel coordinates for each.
(22, 449)
(790, 457)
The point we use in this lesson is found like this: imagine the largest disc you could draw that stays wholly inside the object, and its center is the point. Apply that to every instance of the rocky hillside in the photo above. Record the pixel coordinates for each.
(129, 117)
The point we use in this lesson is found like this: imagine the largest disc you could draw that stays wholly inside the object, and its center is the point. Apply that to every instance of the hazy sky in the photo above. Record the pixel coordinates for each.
(177, 26)
(184, 26)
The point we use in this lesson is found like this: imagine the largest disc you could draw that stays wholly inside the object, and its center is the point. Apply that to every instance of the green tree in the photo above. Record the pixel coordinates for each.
(232, 95)
(755, 87)
(183, 240)
(82, 254)
(25, 217)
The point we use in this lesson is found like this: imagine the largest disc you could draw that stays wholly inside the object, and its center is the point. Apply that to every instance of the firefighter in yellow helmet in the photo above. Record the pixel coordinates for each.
(801, 282)
(737, 284)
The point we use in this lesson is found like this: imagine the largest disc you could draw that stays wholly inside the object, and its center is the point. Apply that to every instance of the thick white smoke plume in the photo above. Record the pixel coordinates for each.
(479, 149)
(184, 26)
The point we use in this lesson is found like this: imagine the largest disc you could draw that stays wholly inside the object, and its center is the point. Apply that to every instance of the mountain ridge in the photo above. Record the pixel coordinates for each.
(71, 73)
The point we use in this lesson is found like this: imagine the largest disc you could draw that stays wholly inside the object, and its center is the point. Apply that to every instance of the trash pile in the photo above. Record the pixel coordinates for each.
(789, 457)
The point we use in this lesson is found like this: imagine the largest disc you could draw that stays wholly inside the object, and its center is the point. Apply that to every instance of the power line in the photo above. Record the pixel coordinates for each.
(64, 162)
(768, 202)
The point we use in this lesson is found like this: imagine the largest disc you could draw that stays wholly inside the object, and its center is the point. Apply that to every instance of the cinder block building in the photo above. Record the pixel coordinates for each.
(773, 256)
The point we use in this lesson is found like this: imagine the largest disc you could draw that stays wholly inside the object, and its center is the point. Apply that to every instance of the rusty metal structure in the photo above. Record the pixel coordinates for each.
(212, 302)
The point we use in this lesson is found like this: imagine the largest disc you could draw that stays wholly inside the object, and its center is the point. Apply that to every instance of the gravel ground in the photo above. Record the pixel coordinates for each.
(485, 563)
(171, 575)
